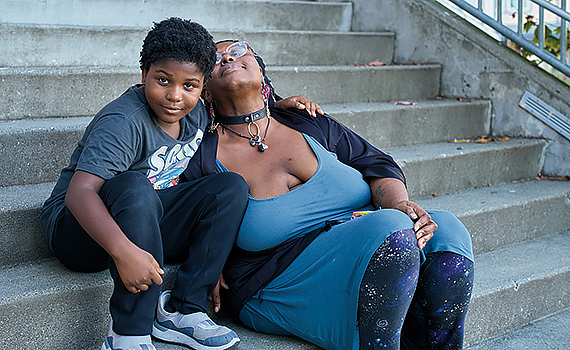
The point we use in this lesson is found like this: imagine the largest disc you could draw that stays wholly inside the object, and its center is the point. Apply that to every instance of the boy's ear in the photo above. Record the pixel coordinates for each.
(144, 72)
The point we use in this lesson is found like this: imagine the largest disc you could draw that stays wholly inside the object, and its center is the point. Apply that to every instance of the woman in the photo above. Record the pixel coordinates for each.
(313, 257)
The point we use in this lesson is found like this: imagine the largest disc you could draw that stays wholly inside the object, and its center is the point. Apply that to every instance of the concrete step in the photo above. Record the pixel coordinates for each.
(548, 333)
(33, 45)
(493, 219)
(35, 151)
(518, 284)
(449, 167)
(431, 121)
(342, 84)
(71, 92)
(50, 306)
(215, 14)
(22, 236)
(500, 215)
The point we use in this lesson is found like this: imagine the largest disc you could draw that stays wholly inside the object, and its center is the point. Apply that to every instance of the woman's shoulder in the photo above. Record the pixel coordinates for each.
(323, 127)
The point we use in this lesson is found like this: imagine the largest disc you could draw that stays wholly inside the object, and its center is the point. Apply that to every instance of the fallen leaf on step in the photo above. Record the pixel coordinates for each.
(482, 140)
(493, 191)
(371, 64)
(555, 178)
(376, 63)
(406, 103)
(435, 195)
(418, 63)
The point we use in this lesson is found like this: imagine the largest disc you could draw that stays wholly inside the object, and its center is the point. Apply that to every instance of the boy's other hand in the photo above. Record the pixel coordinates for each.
(215, 297)
(138, 269)
(300, 102)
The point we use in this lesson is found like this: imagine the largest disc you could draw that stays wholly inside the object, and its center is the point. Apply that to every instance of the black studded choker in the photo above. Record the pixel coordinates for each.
(240, 119)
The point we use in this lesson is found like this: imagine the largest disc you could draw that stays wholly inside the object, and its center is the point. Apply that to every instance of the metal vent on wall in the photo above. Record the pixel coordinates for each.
(546, 114)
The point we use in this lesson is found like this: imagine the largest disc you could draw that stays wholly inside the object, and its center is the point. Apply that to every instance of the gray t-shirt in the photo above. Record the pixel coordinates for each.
(124, 136)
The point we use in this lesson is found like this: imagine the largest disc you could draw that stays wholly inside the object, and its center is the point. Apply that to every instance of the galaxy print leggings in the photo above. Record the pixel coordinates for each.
(399, 310)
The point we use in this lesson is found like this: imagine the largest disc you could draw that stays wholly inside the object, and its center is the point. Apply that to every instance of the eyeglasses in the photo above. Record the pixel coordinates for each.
(235, 50)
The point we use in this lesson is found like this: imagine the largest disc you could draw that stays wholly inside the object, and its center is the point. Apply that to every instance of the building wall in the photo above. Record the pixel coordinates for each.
(474, 65)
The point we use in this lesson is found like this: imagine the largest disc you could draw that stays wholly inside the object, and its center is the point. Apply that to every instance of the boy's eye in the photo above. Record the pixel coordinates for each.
(189, 86)
(162, 80)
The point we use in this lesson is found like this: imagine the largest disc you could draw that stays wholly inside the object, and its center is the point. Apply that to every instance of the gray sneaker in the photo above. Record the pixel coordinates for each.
(195, 330)
(116, 341)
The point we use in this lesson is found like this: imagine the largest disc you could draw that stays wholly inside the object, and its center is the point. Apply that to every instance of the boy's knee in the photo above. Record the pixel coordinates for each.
(232, 182)
(232, 187)
(130, 190)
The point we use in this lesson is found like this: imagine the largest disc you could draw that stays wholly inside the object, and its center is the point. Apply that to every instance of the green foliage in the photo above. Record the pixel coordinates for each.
(551, 38)
(551, 44)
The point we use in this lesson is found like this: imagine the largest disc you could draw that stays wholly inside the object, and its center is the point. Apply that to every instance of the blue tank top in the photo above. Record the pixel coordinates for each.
(332, 193)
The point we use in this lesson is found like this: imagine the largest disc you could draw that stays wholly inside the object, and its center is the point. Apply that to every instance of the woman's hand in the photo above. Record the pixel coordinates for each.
(215, 297)
(138, 269)
(424, 226)
(300, 102)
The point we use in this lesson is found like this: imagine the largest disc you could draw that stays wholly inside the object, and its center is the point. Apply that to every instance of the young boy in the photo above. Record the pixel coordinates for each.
(118, 204)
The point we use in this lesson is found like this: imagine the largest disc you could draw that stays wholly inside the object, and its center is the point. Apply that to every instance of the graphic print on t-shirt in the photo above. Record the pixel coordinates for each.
(166, 165)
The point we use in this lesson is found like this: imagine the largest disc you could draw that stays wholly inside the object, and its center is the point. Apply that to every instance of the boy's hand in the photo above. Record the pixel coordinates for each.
(300, 102)
(138, 269)
(215, 297)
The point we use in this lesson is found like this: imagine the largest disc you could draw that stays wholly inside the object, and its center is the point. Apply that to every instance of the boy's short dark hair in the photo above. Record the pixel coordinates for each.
(182, 40)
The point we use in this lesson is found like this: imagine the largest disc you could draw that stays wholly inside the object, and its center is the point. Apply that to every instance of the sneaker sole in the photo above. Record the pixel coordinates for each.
(172, 336)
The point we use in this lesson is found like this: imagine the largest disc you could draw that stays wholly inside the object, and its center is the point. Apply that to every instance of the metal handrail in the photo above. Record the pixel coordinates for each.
(560, 64)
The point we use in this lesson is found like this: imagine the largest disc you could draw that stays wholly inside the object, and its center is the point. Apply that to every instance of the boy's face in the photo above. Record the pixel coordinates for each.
(172, 89)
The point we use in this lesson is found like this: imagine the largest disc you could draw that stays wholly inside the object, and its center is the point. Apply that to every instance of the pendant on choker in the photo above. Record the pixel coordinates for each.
(254, 137)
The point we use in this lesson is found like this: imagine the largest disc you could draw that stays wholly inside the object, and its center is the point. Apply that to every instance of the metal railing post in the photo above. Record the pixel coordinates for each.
(500, 11)
(541, 27)
(563, 35)
(517, 36)
(520, 17)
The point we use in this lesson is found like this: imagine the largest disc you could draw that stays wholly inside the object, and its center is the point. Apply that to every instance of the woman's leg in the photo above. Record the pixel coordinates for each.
(437, 315)
(386, 291)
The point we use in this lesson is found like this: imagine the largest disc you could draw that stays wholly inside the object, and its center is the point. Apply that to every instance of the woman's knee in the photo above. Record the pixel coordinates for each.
(393, 220)
(449, 224)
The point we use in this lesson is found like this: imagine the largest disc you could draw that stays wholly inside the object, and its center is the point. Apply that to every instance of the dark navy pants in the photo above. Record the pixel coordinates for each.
(194, 223)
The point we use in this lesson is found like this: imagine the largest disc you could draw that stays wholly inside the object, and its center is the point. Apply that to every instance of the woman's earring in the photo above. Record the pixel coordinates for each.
(213, 125)
(265, 90)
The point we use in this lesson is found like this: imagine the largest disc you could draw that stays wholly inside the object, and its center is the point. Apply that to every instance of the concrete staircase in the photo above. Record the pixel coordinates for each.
(69, 58)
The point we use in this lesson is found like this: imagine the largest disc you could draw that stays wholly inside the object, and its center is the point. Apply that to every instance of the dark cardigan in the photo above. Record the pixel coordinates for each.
(247, 272)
